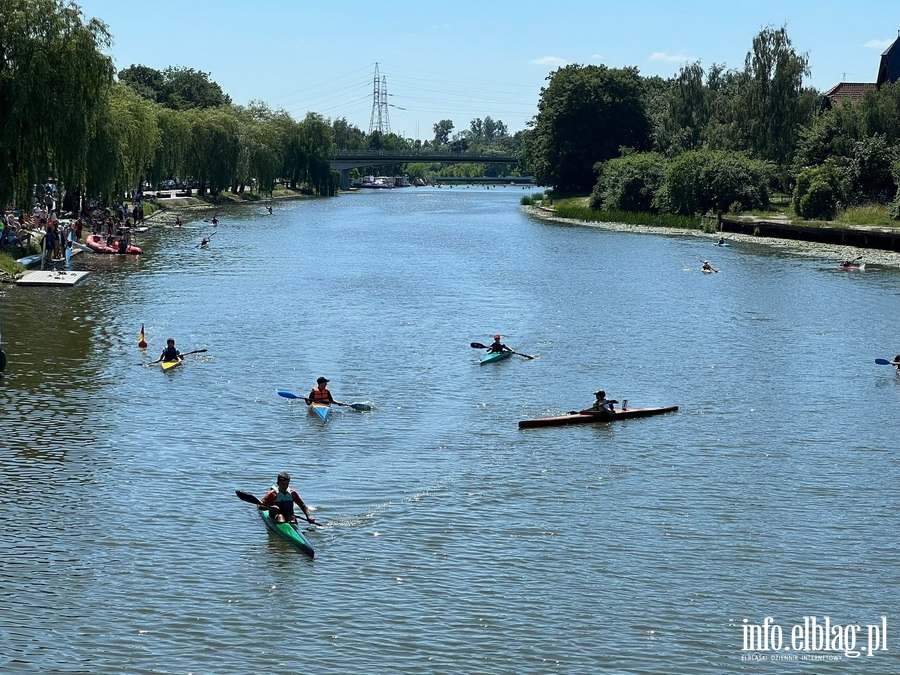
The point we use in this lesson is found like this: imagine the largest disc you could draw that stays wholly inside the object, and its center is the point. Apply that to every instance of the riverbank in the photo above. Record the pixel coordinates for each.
(808, 249)
(170, 208)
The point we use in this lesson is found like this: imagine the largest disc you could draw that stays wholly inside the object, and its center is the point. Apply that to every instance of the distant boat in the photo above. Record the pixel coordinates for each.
(375, 183)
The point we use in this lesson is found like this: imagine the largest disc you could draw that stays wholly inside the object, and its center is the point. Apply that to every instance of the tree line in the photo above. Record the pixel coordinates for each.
(715, 139)
(66, 116)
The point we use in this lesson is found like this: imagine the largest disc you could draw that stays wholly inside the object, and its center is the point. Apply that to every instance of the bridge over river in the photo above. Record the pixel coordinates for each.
(344, 160)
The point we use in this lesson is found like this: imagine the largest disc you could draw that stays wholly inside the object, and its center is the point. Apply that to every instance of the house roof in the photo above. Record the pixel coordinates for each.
(848, 90)
(889, 68)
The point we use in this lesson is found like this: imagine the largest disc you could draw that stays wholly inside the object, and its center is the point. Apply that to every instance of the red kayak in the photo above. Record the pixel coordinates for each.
(98, 245)
(590, 417)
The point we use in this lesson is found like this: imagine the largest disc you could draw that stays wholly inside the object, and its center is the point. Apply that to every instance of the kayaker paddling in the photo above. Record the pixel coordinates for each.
(497, 347)
(280, 500)
(170, 353)
(320, 393)
(602, 404)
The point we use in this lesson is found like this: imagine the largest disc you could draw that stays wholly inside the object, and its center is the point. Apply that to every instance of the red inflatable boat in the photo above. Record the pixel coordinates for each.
(97, 244)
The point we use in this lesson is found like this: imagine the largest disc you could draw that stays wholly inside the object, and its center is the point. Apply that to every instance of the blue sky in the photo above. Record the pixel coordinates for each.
(461, 60)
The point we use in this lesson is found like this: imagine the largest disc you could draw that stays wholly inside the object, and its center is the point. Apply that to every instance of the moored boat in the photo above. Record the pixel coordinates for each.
(591, 417)
(98, 244)
(494, 357)
(29, 259)
(289, 532)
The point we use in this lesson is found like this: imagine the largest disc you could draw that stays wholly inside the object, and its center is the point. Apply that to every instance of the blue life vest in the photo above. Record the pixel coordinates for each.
(170, 354)
(285, 502)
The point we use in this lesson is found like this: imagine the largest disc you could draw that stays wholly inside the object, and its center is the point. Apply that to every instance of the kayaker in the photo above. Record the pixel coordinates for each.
(497, 347)
(214, 222)
(320, 393)
(269, 208)
(170, 353)
(706, 266)
(721, 241)
(280, 500)
(896, 362)
(603, 404)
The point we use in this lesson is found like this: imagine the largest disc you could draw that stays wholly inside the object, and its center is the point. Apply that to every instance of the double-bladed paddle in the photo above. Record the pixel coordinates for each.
(478, 345)
(355, 406)
(196, 351)
(247, 497)
(885, 362)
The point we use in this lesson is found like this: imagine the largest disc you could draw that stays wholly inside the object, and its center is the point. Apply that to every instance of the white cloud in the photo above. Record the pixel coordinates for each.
(663, 56)
(442, 26)
(549, 61)
(597, 57)
(878, 44)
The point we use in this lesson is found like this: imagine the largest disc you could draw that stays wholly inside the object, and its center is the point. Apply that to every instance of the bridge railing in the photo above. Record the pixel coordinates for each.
(412, 155)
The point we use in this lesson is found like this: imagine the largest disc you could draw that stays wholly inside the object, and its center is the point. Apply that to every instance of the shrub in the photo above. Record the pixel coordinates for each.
(819, 202)
(894, 210)
(629, 183)
(712, 180)
(829, 188)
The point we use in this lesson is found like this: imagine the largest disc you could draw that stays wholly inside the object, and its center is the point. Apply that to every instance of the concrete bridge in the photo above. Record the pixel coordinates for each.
(344, 160)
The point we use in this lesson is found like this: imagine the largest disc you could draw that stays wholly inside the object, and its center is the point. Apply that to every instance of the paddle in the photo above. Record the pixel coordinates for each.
(196, 351)
(355, 406)
(247, 497)
(206, 240)
(705, 262)
(478, 345)
(885, 362)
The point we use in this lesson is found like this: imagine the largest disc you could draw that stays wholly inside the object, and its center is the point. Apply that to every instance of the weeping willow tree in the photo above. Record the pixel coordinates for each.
(54, 84)
(124, 146)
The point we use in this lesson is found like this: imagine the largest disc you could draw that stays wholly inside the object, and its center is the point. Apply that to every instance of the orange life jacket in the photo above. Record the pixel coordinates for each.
(320, 395)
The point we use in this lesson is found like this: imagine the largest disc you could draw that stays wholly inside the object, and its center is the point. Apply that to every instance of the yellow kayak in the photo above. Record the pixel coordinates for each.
(168, 365)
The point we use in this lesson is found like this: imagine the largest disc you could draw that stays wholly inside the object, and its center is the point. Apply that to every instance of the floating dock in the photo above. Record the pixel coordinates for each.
(51, 278)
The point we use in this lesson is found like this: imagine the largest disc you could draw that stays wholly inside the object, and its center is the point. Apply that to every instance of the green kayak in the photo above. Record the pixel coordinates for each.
(495, 356)
(288, 531)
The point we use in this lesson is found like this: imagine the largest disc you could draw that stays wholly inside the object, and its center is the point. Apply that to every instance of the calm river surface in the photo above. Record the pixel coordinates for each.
(453, 541)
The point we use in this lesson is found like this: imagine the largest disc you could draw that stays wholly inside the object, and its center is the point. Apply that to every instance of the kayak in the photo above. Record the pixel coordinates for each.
(496, 356)
(98, 244)
(718, 244)
(588, 417)
(320, 409)
(853, 268)
(707, 271)
(168, 365)
(29, 259)
(289, 532)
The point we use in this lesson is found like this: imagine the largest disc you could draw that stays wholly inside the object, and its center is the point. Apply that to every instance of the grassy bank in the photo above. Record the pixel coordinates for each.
(577, 208)
(8, 257)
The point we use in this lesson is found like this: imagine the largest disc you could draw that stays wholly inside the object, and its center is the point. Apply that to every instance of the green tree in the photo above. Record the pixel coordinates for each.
(185, 88)
(54, 79)
(147, 82)
(772, 104)
(442, 131)
(585, 114)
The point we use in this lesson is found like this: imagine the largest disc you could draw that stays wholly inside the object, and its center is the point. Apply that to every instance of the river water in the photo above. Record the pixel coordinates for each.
(454, 542)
